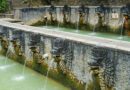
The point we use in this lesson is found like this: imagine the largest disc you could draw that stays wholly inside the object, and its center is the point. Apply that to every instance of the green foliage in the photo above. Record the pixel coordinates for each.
(3, 6)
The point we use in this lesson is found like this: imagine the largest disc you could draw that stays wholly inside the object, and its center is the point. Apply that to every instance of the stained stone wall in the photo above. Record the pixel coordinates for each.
(116, 66)
(114, 18)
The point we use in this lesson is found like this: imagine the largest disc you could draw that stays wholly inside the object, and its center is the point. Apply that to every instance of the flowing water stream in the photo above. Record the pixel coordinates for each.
(121, 36)
(46, 81)
(22, 75)
(5, 65)
(77, 23)
(93, 33)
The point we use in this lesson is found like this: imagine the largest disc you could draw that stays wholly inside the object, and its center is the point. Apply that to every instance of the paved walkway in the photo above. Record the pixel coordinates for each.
(110, 43)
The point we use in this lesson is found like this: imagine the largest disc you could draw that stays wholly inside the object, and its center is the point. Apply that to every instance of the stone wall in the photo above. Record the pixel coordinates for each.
(113, 18)
(113, 67)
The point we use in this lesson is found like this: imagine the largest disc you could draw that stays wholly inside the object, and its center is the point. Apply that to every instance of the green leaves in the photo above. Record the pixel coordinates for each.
(3, 6)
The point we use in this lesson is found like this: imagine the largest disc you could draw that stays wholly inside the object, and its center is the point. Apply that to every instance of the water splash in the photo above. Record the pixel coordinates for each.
(94, 28)
(19, 78)
(93, 33)
(58, 19)
(121, 37)
(6, 66)
(23, 71)
(46, 23)
(50, 65)
(22, 76)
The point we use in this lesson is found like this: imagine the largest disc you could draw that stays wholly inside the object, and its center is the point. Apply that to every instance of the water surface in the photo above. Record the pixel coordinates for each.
(11, 78)
(90, 33)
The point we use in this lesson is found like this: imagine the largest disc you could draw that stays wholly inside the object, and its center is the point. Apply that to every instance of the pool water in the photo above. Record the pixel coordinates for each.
(11, 78)
(90, 33)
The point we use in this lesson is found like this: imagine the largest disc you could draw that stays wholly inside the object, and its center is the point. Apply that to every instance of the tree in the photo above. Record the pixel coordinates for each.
(3, 6)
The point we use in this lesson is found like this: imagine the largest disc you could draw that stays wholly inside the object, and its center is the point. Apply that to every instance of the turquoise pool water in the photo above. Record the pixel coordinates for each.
(11, 78)
(90, 33)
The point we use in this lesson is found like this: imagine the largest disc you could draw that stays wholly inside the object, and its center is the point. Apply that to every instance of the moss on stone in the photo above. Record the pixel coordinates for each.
(56, 74)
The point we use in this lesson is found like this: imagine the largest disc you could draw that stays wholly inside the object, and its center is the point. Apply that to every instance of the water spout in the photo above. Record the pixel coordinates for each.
(77, 24)
(23, 71)
(7, 53)
(93, 31)
(94, 28)
(50, 65)
(58, 19)
(22, 76)
(121, 32)
(46, 21)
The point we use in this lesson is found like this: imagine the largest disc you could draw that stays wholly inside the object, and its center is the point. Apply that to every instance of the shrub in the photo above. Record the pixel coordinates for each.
(3, 6)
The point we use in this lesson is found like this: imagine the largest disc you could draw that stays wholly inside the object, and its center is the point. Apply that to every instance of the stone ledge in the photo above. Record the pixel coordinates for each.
(85, 39)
